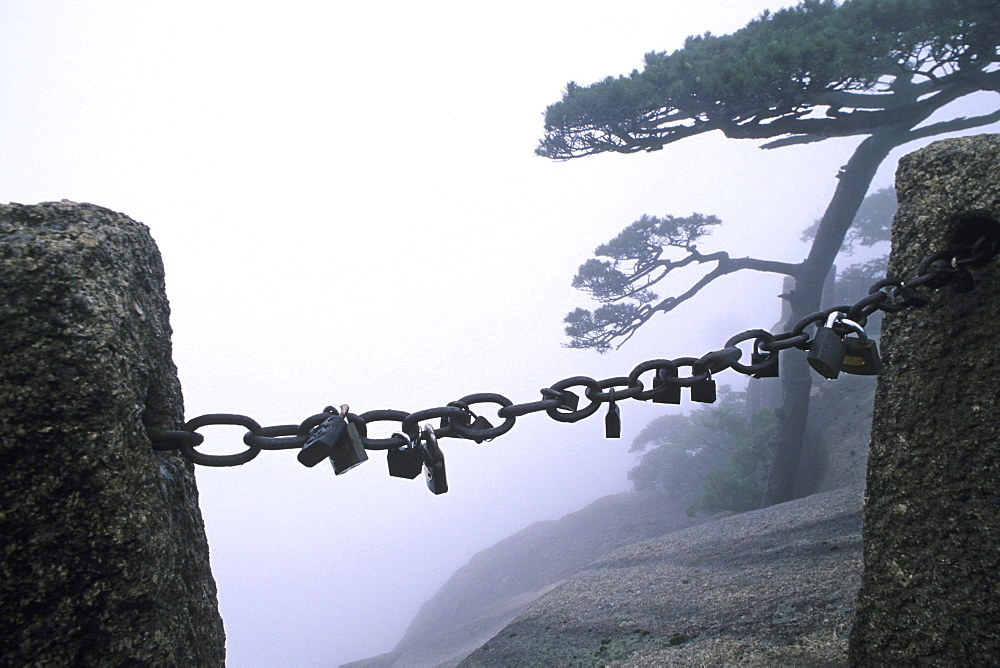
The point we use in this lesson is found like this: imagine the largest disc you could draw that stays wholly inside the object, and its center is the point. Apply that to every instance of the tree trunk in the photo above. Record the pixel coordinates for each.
(796, 377)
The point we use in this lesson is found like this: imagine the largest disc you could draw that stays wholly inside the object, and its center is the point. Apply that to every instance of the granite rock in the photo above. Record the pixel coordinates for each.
(770, 587)
(105, 559)
(929, 594)
(500, 582)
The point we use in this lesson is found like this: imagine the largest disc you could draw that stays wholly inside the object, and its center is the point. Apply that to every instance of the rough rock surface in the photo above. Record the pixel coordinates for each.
(769, 587)
(932, 514)
(486, 594)
(105, 560)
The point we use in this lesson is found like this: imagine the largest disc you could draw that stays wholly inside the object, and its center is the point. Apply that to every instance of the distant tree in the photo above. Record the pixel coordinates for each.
(876, 69)
(712, 459)
(871, 225)
(871, 228)
(738, 483)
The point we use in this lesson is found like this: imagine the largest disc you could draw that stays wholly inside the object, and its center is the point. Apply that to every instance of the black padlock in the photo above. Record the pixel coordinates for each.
(861, 354)
(570, 400)
(613, 420)
(469, 420)
(827, 350)
(480, 424)
(434, 471)
(406, 462)
(463, 420)
(757, 357)
(322, 441)
(669, 393)
(703, 391)
(349, 450)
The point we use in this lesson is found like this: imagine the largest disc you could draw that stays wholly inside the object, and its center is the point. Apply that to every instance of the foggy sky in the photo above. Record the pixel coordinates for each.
(349, 211)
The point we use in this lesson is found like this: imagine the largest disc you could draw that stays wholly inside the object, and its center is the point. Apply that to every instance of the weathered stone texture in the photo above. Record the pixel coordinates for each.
(105, 560)
(930, 593)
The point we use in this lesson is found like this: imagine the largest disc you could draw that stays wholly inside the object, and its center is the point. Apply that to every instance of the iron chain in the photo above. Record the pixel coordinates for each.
(559, 402)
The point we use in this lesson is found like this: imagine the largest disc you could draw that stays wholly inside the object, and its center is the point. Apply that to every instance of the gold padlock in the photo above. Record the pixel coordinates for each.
(861, 354)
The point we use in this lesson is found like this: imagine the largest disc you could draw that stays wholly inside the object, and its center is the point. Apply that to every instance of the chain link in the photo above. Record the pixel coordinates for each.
(559, 402)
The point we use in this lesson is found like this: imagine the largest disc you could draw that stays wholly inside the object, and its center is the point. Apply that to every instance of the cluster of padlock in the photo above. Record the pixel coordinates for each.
(831, 352)
(666, 389)
(422, 453)
(337, 439)
(666, 392)
(832, 349)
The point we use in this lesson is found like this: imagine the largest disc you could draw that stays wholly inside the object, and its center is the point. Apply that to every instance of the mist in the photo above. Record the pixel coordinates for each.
(350, 211)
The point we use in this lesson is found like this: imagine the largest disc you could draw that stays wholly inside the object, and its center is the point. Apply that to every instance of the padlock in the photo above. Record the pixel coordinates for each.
(349, 450)
(570, 401)
(861, 354)
(613, 420)
(405, 462)
(756, 357)
(670, 393)
(322, 441)
(703, 391)
(434, 471)
(463, 420)
(480, 424)
(827, 350)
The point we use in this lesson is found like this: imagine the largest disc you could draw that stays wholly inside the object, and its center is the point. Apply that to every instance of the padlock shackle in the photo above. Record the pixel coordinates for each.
(855, 327)
(409, 443)
(840, 318)
(430, 442)
(834, 318)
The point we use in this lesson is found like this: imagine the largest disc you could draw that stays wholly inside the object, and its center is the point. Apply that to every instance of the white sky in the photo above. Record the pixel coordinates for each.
(349, 211)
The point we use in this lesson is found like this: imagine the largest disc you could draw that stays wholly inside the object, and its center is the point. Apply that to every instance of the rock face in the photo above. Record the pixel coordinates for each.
(932, 516)
(105, 558)
(770, 587)
(497, 584)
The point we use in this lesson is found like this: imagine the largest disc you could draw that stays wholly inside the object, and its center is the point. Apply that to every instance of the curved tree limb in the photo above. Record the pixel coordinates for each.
(617, 322)
(954, 125)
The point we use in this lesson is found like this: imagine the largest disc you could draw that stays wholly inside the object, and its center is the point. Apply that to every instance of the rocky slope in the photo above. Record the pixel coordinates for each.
(769, 587)
(497, 584)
